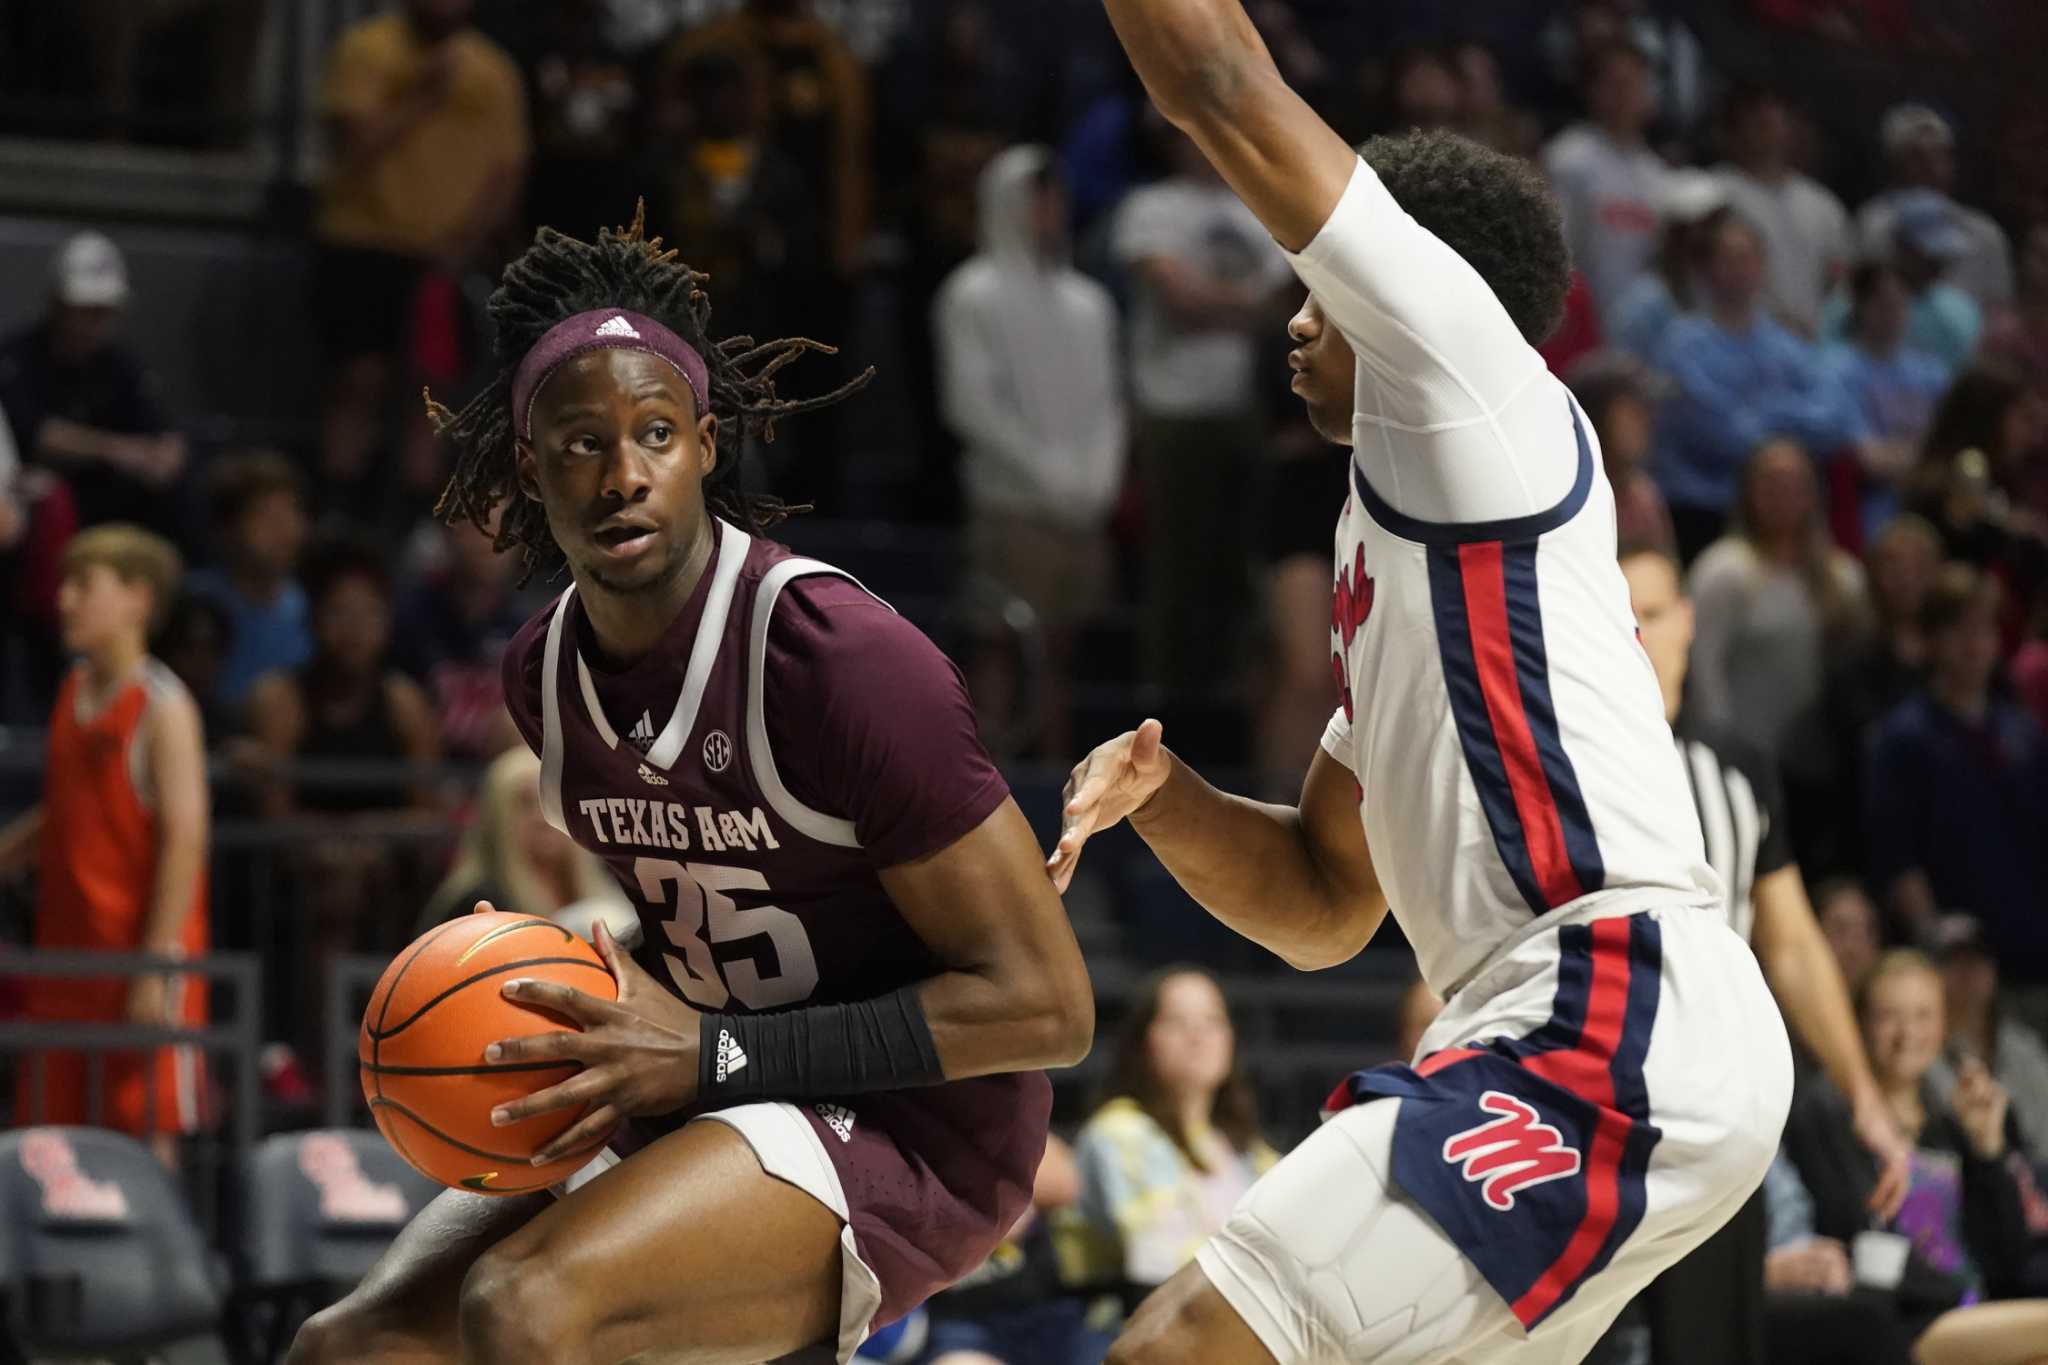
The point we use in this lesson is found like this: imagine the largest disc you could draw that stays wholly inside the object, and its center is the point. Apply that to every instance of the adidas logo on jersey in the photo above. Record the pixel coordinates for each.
(616, 326)
(641, 736)
(651, 777)
(1510, 1152)
(838, 1118)
(731, 1058)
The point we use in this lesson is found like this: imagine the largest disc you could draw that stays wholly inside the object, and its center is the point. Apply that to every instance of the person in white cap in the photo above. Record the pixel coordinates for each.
(1919, 145)
(1688, 206)
(80, 401)
(1928, 240)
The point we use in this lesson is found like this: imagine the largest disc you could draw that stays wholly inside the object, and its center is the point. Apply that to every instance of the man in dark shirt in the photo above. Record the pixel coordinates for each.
(80, 401)
(451, 632)
(1957, 800)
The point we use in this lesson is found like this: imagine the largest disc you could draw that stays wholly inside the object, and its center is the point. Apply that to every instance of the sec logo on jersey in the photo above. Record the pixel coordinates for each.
(717, 751)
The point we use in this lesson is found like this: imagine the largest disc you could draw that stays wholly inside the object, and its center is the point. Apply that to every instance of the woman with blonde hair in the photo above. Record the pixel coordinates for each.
(1175, 1142)
(517, 861)
(1775, 599)
(1960, 1241)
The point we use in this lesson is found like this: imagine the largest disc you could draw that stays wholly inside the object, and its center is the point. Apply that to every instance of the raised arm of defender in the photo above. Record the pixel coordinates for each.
(1209, 72)
(1296, 880)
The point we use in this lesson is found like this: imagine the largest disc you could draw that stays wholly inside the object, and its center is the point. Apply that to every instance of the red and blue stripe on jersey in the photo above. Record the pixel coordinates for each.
(1489, 626)
(1581, 1071)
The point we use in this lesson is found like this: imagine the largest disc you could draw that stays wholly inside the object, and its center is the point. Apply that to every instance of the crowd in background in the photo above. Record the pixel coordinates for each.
(1832, 415)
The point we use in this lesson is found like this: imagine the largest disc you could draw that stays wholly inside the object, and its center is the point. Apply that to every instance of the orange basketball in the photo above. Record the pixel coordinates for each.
(422, 1044)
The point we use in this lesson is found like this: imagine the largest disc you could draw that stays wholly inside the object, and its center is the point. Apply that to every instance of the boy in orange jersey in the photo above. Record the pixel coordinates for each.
(119, 842)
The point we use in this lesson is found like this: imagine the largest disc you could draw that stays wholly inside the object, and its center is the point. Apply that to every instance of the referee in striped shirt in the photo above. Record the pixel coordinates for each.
(1709, 1307)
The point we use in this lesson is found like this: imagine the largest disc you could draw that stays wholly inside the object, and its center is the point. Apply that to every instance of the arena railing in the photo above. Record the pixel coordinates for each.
(233, 1038)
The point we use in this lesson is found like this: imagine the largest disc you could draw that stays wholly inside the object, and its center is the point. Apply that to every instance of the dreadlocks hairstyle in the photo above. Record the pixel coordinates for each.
(555, 279)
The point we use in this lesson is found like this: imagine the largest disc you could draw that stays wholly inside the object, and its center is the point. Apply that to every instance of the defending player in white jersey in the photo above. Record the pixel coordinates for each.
(1608, 1079)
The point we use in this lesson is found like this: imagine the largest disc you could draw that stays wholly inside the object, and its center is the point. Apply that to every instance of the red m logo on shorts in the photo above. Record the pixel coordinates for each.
(1510, 1152)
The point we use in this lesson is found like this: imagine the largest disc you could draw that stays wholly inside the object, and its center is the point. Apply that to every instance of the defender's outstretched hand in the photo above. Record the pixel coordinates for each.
(1113, 781)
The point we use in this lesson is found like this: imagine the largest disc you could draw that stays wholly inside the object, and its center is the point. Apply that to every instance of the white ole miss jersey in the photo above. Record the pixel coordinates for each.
(1499, 713)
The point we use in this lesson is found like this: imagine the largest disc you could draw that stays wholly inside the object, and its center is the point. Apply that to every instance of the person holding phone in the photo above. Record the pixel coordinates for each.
(1962, 1221)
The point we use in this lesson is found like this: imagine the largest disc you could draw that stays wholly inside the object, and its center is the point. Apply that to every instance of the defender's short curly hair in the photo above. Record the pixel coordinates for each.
(1492, 209)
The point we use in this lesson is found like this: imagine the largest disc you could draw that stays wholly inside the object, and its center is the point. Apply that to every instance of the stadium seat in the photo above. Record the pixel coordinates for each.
(317, 1210)
(98, 1253)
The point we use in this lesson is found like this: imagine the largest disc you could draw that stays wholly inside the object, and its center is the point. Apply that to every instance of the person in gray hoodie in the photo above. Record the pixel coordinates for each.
(1030, 381)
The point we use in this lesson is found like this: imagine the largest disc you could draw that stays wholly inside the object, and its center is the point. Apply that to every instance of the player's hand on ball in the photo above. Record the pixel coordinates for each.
(639, 1056)
(1107, 786)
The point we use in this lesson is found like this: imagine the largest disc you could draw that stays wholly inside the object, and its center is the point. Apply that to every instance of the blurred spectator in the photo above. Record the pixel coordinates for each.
(1029, 377)
(451, 629)
(1680, 77)
(1693, 206)
(513, 858)
(1873, 674)
(430, 145)
(1176, 1140)
(819, 121)
(1419, 1008)
(1206, 275)
(121, 35)
(2020, 332)
(960, 89)
(1609, 184)
(585, 97)
(1881, 23)
(1963, 1217)
(347, 704)
(1618, 397)
(13, 502)
(1849, 922)
(1983, 467)
(1578, 333)
(1813, 1312)
(1980, 1030)
(81, 402)
(1957, 794)
(1894, 385)
(259, 529)
(2019, 335)
(1775, 599)
(819, 103)
(31, 658)
(1920, 150)
(1739, 379)
(118, 842)
(194, 645)
(1425, 89)
(1944, 321)
(1802, 227)
(2029, 666)
(1487, 115)
(1011, 1311)
(740, 204)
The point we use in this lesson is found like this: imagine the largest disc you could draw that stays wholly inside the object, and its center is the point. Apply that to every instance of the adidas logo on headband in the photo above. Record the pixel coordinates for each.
(616, 326)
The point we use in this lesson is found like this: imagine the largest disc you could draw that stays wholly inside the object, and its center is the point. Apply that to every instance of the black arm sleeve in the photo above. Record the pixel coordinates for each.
(819, 1051)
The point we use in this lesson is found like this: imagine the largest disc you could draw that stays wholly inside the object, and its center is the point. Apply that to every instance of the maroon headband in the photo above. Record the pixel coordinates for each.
(611, 329)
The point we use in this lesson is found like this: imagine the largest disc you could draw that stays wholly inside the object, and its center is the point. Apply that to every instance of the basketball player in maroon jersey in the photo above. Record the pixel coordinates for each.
(817, 1099)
